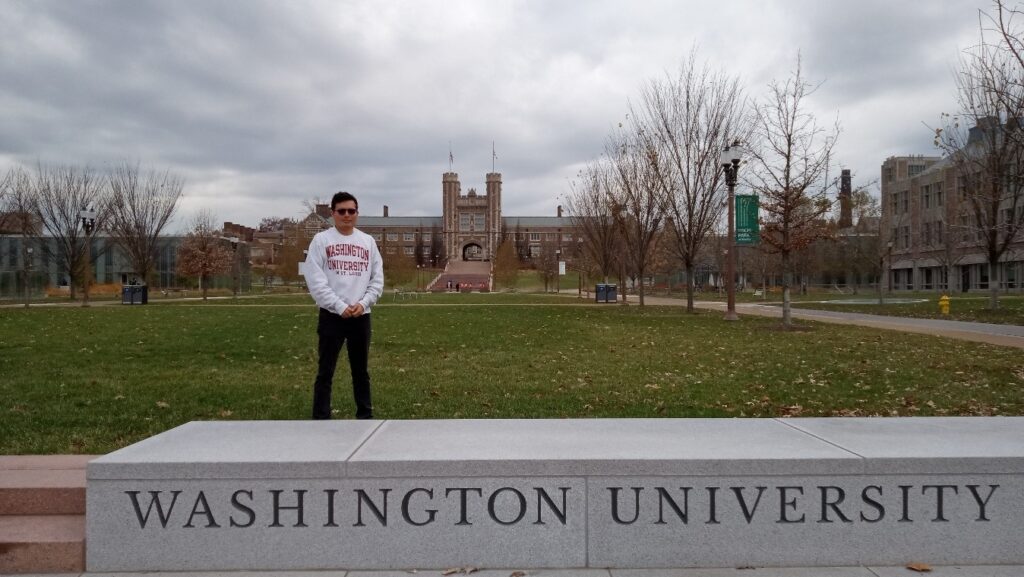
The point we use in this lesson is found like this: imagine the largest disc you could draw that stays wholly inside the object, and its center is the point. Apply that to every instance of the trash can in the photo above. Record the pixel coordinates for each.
(610, 293)
(599, 293)
(134, 294)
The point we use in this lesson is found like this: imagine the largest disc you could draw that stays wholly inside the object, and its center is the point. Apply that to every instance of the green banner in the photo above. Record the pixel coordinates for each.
(747, 231)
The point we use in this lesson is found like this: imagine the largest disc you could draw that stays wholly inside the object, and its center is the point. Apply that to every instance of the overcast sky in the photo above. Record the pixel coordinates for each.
(262, 105)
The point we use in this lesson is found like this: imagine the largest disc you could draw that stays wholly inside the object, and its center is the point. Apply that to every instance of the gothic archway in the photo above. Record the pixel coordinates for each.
(472, 251)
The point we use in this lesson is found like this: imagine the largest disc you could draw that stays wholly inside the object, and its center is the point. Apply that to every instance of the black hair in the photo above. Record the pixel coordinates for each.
(342, 197)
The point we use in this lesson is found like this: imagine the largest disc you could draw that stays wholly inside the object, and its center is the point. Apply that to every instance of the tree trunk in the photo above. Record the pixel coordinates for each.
(993, 283)
(881, 297)
(787, 280)
(689, 288)
(641, 291)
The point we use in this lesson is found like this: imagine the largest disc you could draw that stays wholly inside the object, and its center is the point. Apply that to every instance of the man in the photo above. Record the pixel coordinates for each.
(345, 275)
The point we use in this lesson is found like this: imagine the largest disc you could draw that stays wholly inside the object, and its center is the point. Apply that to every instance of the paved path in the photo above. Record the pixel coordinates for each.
(1005, 335)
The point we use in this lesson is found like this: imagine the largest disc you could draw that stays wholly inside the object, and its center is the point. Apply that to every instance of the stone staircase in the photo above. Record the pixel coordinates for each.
(42, 513)
(468, 275)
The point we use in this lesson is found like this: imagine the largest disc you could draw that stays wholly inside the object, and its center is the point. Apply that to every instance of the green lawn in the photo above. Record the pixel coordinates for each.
(91, 380)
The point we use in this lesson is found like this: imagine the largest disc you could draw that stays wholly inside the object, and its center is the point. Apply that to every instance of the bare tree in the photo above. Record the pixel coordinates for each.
(141, 205)
(546, 263)
(5, 185)
(984, 141)
(688, 119)
(636, 203)
(202, 253)
(275, 223)
(590, 212)
(62, 192)
(790, 158)
(20, 207)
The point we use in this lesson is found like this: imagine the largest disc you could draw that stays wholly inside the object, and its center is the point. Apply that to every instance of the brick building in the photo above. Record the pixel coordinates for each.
(470, 228)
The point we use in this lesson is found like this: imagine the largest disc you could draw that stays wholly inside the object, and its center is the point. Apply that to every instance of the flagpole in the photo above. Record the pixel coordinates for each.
(451, 159)
(494, 156)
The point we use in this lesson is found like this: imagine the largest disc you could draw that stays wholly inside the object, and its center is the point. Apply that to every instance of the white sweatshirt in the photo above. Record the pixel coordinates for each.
(343, 270)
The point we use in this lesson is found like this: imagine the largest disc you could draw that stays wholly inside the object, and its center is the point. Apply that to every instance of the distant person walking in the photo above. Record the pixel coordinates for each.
(345, 275)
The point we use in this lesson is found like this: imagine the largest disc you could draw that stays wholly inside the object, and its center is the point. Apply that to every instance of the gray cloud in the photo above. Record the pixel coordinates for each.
(261, 105)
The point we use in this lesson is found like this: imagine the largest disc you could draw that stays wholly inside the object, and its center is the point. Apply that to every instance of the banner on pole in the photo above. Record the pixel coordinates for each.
(747, 231)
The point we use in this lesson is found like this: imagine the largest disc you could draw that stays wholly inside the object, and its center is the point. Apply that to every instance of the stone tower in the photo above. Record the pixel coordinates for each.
(471, 223)
(493, 213)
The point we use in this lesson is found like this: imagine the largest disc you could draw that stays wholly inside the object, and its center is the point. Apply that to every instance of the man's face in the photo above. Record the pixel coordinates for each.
(345, 215)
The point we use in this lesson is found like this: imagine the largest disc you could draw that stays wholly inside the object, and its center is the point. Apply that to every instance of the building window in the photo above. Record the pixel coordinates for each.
(425, 237)
(534, 250)
(376, 236)
(425, 250)
(392, 237)
(535, 237)
(905, 195)
(409, 250)
(915, 169)
(926, 194)
(409, 237)
(392, 250)
(937, 191)
(938, 232)
(888, 174)
(567, 237)
(926, 234)
(906, 237)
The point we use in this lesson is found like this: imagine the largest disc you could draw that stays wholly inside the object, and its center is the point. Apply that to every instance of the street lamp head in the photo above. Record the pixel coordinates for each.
(88, 213)
(732, 154)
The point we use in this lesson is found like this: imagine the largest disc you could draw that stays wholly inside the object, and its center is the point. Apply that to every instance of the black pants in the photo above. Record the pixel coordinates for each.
(334, 331)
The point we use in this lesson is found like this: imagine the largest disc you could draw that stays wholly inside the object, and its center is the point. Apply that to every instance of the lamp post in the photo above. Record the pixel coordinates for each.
(88, 216)
(418, 278)
(731, 157)
(27, 273)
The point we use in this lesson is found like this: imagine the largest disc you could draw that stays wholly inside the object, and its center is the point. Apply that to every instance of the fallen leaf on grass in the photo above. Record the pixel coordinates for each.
(162, 404)
(920, 567)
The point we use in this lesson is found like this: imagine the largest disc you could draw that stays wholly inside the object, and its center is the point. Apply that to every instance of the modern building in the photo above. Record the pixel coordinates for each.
(928, 231)
(40, 260)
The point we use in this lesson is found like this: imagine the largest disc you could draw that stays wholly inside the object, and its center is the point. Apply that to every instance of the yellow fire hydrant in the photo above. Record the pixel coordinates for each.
(944, 304)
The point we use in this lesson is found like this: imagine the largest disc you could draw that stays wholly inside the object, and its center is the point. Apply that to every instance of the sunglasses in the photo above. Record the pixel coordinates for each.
(346, 210)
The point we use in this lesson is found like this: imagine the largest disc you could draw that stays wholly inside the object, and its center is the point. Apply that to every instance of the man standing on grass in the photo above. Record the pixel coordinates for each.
(345, 275)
